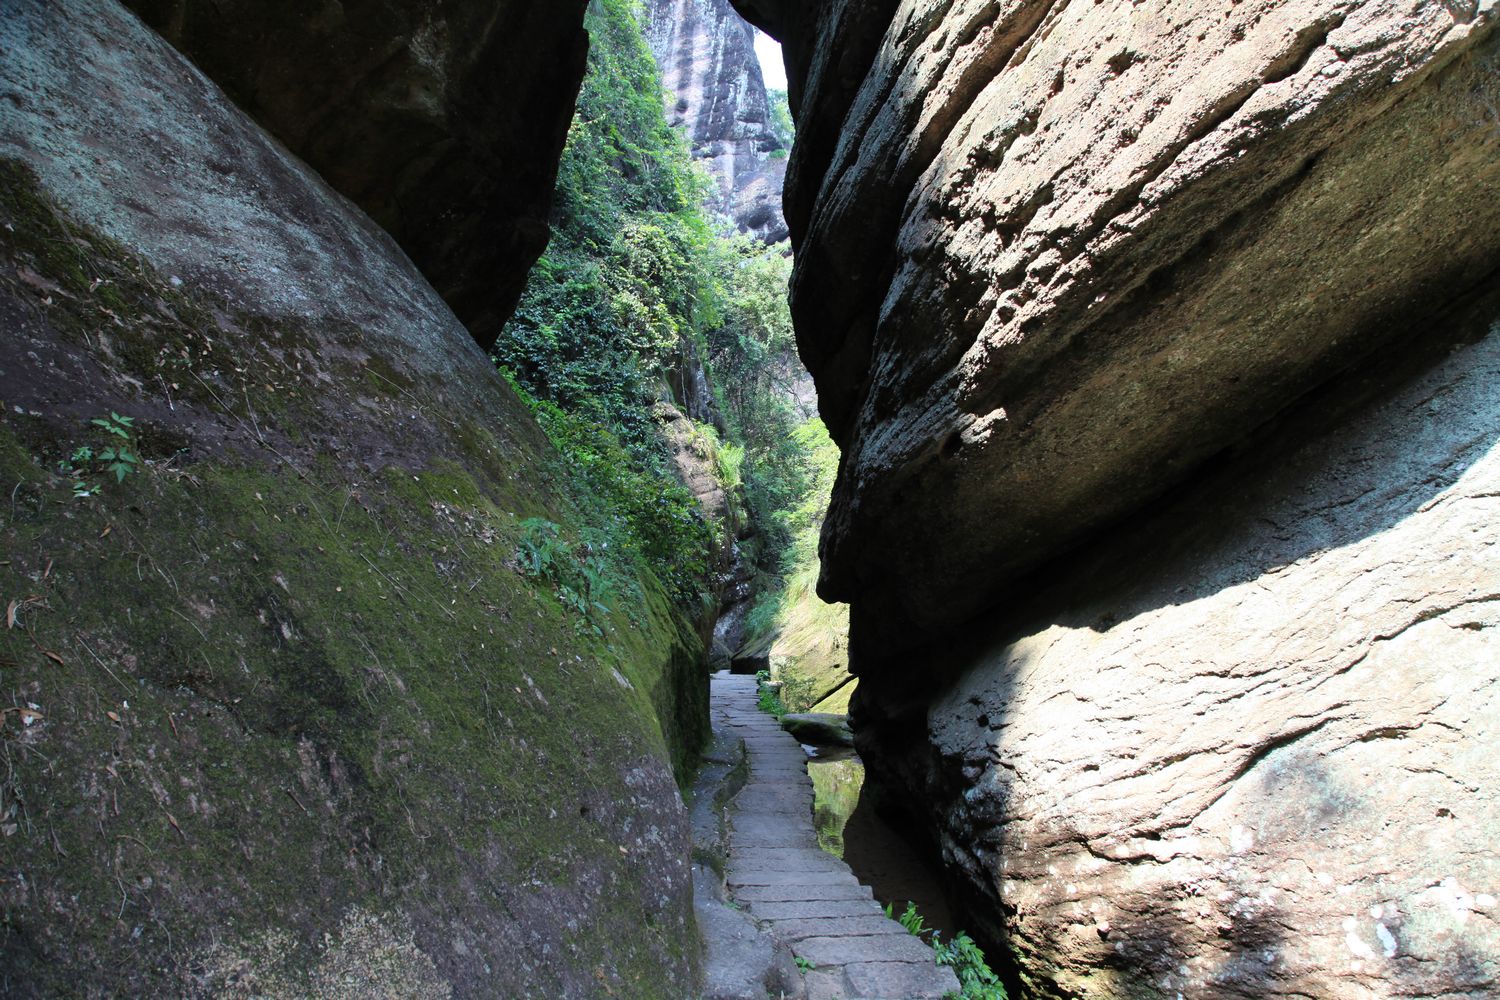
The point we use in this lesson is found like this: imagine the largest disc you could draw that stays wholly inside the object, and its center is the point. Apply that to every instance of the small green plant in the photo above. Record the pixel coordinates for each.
(976, 980)
(114, 455)
(803, 965)
(542, 548)
(581, 577)
(767, 700)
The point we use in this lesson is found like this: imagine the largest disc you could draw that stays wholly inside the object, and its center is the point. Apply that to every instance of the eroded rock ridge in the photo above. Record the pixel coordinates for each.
(1158, 339)
(706, 53)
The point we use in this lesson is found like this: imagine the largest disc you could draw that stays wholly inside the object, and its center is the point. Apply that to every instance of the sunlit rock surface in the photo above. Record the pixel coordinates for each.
(1249, 751)
(1054, 256)
(706, 53)
(1159, 339)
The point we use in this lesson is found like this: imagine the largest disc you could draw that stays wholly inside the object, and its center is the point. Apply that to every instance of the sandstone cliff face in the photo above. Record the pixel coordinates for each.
(282, 717)
(1061, 253)
(443, 121)
(706, 53)
(1248, 749)
(1178, 655)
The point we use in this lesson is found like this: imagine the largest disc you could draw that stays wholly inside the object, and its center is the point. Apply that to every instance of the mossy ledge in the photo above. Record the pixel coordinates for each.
(298, 719)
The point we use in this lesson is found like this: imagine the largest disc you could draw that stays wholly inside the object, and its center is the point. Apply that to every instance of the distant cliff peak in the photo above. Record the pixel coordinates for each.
(706, 52)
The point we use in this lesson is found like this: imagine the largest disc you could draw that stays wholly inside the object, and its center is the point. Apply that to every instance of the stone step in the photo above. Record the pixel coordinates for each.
(807, 898)
(766, 876)
(787, 859)
(822, 909)
(802, 893)
(899, 980)
(868, 948)
(801, 928)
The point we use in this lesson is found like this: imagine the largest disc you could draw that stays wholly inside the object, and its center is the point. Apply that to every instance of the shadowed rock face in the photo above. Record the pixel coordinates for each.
(296, 726)
(431, 117)
(706, 53)
(1246, 749)
(1052, 256)
(1160, 339)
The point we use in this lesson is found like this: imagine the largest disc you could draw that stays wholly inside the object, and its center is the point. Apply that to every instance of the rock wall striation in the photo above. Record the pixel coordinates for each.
(1159, 340)
(284, 717)
(443, 121)
(1030, 236)
(706, 53)
(1245, 748)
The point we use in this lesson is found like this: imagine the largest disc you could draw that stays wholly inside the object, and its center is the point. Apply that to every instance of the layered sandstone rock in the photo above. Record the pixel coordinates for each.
(1246, 750)
(1052, 256)
(443, 121)
(706, 53)
(1173, 567)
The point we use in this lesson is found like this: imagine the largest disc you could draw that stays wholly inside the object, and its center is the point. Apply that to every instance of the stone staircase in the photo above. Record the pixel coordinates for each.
(808, 899)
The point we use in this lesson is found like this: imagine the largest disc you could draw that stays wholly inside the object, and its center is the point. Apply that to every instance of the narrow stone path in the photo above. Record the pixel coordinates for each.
(806, 897)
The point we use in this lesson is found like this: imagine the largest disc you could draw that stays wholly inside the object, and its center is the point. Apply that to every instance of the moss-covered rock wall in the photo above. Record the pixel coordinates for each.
(280, 714)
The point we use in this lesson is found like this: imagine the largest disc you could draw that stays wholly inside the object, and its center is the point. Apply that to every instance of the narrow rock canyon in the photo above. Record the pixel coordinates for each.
(358, 619)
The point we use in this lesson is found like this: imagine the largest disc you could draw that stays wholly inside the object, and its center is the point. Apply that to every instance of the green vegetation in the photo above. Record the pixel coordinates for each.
(636, 284)
(752, 359)
(768, 699)
(584, 579)
(781, 118)
(624, 284)
(805, 637)
(977, 981)
(116, 456)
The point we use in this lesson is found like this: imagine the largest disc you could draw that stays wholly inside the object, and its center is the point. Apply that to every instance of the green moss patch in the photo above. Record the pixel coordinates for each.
(287, 680)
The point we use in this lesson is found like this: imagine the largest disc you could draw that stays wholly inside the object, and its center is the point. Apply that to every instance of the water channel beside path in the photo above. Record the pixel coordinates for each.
(849, 827)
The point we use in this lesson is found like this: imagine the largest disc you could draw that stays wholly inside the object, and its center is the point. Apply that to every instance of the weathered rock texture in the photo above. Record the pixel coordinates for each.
(1174, 573)
(1052, 256)
(282, 718)
(1249, 751)
(706, 53)
(443, 121)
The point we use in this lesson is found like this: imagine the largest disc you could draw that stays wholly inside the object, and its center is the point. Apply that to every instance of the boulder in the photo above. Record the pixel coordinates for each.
(1053, 257)
(1245, 749)
(1160, 341)
(819, 729)
(444, 120)
(283, 717)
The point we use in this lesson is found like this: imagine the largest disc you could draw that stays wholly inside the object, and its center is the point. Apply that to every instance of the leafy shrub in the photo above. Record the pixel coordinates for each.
(115, 455)
(977, 981)
(623, 285)
(767, 699)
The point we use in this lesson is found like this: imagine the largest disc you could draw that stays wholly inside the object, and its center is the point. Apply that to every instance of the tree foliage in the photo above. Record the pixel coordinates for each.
(781, 117)
(636, 277)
